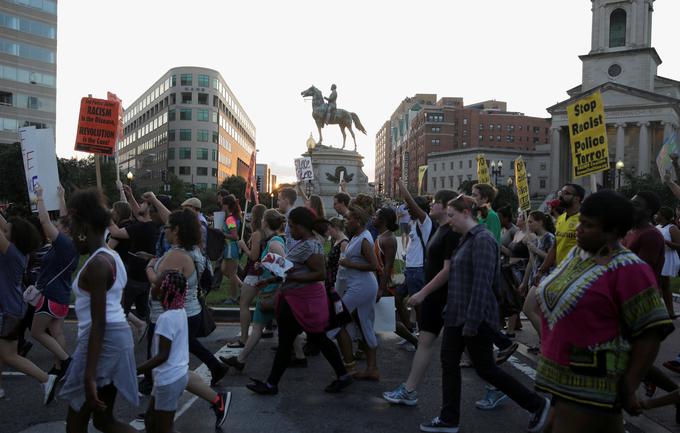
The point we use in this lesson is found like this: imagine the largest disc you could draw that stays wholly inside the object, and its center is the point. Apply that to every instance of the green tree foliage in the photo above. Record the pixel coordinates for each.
(12, 177)
(506, 196)
(236, 185)
(77, 174)
(209, 202)
(648, 182)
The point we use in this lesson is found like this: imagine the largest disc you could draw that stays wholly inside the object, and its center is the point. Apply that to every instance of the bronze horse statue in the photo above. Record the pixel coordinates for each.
(343, 118)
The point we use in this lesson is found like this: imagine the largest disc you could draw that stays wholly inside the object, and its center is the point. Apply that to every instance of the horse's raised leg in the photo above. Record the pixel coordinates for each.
(344, 136)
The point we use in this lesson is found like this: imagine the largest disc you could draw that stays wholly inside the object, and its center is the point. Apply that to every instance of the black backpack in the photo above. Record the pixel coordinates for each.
(214, 244)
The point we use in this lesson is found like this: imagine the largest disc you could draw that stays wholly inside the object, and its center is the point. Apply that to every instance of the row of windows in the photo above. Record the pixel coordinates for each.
(47, 6)
(442, 180)
(26, 25)
(12, 125)
(543, 165)
(200, 171)
(27, 51)
(154, 124)
(25, 76)
(202, 114)
(187, 80)
(131, 112)
(231, 102)
(19, 100)
(202, 153)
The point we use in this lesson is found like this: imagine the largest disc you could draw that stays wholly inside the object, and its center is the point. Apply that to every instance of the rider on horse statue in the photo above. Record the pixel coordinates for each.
(330, 109)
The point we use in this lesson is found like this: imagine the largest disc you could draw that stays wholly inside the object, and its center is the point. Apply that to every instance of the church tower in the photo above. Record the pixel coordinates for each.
(621, 48)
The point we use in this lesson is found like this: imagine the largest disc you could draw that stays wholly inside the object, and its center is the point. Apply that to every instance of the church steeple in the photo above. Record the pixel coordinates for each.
(621, 24)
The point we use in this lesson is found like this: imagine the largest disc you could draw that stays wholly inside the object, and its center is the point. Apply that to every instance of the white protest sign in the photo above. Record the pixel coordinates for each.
(218, 220)
(303, 169)
(40, 165)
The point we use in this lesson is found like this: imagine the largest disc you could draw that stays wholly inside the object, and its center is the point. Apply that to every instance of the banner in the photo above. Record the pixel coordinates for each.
(303, 169)
(522, 185)
(252, 179)
(663, 159)
(40, 165)
(404, 167)
(421, 175)
(97, 126)
(482, 170)
(588, 133)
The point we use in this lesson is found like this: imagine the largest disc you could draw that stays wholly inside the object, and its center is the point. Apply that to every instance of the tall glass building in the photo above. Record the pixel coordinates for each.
(28, 65)
(190, 124)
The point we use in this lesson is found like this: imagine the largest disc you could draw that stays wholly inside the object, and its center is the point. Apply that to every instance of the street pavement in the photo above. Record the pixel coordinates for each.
(302, 406)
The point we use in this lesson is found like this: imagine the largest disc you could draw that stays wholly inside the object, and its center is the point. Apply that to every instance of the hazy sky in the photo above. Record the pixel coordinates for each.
(377, 52)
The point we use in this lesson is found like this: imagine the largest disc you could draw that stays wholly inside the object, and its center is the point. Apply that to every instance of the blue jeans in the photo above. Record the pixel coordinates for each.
(414, 280)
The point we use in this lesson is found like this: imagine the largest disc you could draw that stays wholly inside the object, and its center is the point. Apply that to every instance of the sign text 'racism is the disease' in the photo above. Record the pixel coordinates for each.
(97, 126)
(588, 134)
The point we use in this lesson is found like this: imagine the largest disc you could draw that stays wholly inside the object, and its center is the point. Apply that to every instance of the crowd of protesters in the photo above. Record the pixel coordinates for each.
(592, 274)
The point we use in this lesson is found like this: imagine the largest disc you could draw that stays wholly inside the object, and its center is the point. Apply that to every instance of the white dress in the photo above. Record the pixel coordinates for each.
(671, 265)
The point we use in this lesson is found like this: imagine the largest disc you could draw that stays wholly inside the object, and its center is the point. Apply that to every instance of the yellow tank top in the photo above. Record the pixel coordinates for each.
(565, 235)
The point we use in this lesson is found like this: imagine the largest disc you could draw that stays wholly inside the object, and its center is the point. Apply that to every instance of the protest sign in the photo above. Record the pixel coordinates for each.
(40, 165)
(303, 169)
(588, 133)
(482, 170)
(97, 126)
(421, 175)
(663, 159)
(522, 185)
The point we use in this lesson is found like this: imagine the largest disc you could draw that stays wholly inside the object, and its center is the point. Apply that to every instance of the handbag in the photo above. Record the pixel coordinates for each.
(207, 325)
(338, 315)
(32, 294)
(267, 301)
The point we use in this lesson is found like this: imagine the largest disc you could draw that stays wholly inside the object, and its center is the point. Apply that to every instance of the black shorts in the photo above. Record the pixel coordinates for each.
(432, 310)
(137, 293)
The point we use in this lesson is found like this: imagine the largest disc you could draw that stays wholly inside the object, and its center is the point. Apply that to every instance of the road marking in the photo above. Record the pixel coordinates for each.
(13, 373)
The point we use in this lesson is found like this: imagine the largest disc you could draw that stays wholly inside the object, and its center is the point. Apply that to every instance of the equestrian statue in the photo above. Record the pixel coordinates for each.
(327, 114)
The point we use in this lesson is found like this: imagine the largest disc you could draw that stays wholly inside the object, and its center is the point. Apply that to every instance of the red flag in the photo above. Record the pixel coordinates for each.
(112, 97)
(250, 184)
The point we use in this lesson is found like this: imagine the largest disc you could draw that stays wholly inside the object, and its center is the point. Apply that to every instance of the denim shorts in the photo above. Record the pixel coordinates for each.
(414, 280)
(167, 396)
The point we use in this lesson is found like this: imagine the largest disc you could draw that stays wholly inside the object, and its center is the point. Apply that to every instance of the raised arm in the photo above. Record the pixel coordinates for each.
(121, 190)
(410, 202)
(50, 230)
(163, 212)
(63, 210)
(134, 206)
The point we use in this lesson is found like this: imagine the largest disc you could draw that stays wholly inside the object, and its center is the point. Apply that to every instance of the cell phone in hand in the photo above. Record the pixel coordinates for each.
(142, 255)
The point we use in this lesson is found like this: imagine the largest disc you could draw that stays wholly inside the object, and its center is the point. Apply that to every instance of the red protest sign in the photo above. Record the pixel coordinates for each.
(97, 126)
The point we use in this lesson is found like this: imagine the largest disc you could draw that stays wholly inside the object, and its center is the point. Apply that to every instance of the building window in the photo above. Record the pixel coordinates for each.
(541, 183)
(214, 154)
(543, 166)
(171, 152)
(202, 115)
(498, 138)
(171, 115)
(215, 137)
(202, 153)
(465, 121)
(185, 135)
(435, 141)
(460, 164)
(185, 114)
(490, 137)
(187, 98)
(184, 153)
(481, 138)
(203, 98)
(171, 135)
(203, 80)
(435, 166)
(436, 129)
(451, 165)
(214, 116)
(434, 183)
(617, 28)
(185, 171)
(202, 135)
(185, 80)
(202, 171)
(469, 163)
(450, 181)
(214, 172)
(173, 81)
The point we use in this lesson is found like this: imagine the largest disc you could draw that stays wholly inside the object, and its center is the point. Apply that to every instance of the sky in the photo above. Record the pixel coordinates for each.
(377, 53)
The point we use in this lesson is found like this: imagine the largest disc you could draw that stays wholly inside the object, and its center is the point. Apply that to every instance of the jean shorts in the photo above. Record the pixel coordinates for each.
(414, 280)
(166, 397)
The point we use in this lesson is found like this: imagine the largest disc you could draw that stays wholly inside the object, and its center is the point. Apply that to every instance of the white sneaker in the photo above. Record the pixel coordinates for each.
(49, 387)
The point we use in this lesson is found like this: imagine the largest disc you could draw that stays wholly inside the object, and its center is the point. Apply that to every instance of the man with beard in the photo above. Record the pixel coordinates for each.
(570, 196)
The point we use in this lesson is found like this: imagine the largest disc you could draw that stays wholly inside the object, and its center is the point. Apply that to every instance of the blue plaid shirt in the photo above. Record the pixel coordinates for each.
(474, 282)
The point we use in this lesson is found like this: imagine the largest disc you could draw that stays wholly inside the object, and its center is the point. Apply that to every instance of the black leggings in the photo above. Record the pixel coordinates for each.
(289, 329)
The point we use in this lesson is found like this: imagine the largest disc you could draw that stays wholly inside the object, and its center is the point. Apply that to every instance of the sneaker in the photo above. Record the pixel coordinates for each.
(504, 354)
(233, 361)
(538, 418)
(221, 408)
(401, 396)
(140, 417)
(673, 366)
(339, 384)
(437, 425)
(262, 388)
(491, 400)
(49, 387)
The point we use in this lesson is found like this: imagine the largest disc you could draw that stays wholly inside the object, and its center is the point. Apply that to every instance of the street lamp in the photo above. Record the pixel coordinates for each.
(130, 176)
(311, 144)
(496, 170)
(619, 169)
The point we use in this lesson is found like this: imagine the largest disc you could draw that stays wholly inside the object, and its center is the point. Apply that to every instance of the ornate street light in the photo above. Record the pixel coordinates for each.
(619, 170)
(496, 170)
(130, 176)
(311, 144)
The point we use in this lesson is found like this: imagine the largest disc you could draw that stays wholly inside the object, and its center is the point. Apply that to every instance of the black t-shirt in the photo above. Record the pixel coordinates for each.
(439, 248)
(143, 237)
(123, 245)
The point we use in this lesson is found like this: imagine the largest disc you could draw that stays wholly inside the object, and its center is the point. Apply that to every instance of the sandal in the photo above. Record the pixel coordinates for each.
(238, 344)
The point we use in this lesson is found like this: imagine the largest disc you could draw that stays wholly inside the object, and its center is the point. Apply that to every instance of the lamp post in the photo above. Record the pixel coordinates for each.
(496, 170)
(619, 169)
(311, 144)
(130, 176)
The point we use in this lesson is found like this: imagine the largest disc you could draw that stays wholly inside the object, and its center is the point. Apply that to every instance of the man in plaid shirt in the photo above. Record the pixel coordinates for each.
(471, 319)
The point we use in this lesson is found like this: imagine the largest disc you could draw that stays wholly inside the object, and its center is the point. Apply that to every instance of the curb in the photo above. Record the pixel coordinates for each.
(220, 314)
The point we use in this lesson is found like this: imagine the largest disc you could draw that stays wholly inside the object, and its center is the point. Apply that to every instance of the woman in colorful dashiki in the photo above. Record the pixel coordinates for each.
(602, 321)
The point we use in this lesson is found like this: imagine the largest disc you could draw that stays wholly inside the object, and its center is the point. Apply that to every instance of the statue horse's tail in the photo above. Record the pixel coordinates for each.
(357, 123)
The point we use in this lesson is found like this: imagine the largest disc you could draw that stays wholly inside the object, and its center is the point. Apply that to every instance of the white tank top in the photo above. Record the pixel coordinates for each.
(114, 309)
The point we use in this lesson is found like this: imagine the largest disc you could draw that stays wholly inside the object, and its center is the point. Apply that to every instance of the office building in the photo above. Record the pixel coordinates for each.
(188, 124)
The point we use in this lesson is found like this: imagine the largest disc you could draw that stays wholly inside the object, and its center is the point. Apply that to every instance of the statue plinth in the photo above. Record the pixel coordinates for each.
(328, 163)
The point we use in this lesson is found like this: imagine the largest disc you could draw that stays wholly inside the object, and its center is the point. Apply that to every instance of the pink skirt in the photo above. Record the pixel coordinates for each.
(309, 305)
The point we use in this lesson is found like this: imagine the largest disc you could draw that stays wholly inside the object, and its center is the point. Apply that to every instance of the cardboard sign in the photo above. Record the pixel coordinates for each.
(663, 159)
(303, 169)
(421, 175)
(97, 126)
(588, 133)
(40, 165)
(522, 185)
(483, 175)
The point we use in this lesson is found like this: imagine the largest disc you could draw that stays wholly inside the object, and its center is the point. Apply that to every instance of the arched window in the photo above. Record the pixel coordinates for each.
(617, 28)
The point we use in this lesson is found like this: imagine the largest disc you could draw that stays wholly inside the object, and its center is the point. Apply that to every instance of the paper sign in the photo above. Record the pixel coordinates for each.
(588, 133)
(218, 220)
(97, 126)
(482, 170)
(385, 317)
(421, 175)
(276, 264)
(663, 159)
(40, 165)
(522, 185)
(303, 169)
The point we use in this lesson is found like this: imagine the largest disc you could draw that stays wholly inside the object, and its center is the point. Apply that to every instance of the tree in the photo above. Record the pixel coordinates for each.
(177, 191)
(634, 184)
(506, 196)
(209, 202)
(236, 185)
(13, 184)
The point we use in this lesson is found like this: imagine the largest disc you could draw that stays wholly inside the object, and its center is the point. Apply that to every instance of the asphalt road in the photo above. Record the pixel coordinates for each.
(302, 406)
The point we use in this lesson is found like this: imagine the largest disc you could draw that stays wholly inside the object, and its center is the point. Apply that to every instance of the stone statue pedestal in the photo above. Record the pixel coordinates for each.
(327, 164)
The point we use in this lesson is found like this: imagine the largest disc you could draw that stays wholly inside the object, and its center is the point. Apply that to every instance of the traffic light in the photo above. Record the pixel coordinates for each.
(258, 183)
